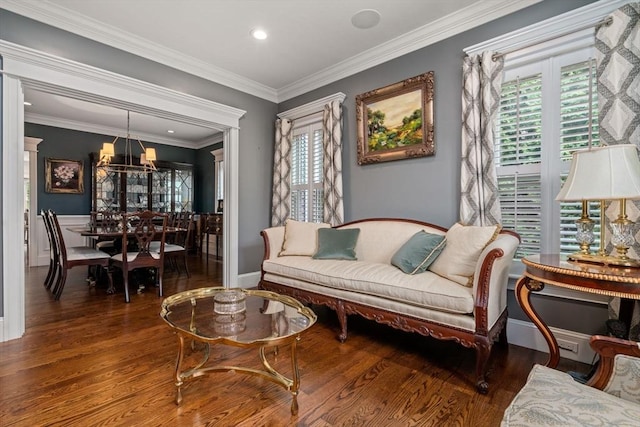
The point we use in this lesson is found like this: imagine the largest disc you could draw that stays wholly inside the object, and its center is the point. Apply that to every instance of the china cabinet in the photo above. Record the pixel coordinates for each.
(168, 189)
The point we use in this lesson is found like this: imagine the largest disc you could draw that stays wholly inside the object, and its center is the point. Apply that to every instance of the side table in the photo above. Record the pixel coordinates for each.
(556, 270)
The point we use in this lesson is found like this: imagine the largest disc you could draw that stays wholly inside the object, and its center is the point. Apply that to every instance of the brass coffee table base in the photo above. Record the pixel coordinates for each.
(269, 373)
(265, 320)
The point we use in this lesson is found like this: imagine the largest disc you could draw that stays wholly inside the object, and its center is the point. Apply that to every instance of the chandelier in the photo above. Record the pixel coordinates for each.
(126, 162)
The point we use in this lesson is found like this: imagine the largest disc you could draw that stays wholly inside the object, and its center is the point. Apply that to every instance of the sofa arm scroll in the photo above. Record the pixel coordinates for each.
(491, 279)
(273, 238)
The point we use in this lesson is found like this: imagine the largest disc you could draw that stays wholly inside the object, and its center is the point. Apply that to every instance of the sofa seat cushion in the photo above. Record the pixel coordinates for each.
(383, 280)
(554, 398)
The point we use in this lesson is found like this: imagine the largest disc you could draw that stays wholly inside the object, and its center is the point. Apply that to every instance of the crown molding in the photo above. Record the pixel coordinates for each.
(465, 19)
(29, 65)
(73, 22)
(472, 16)
(214, 139)
(311, 107)
(554, 27)
(103, 130)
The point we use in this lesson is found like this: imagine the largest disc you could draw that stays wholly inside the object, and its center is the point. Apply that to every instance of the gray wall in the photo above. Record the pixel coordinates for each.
(428, 188)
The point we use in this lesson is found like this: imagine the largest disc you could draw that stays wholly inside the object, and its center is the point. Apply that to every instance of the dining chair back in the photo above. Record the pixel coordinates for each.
(69, 257)
(139, 230)
(107, 221)
(179, 247)
(53, 250)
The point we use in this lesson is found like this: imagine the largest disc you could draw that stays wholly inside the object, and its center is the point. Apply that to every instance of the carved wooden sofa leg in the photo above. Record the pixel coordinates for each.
(483, 351)
(342, 318)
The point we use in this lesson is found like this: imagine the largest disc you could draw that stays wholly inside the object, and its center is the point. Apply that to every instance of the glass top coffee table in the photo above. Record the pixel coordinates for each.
(239, 318)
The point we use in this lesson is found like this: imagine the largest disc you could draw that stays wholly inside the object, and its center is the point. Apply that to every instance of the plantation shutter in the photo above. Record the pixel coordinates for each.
(577, 88)
(525, 171)
(299, 176)
(317, 187)
(306, 173)
(518, 155)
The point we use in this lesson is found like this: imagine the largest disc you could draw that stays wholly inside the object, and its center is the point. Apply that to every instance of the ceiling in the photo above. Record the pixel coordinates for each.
(310, 43)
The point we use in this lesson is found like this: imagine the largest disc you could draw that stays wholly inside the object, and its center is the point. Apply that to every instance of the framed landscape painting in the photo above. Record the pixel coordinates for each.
(396, 122)
(64, 176)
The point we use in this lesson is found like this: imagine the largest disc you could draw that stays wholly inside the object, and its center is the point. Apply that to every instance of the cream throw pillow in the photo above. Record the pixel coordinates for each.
(300, 238)
(458, 259)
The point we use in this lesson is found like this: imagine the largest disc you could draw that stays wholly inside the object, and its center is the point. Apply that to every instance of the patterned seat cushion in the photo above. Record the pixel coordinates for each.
(554, 398)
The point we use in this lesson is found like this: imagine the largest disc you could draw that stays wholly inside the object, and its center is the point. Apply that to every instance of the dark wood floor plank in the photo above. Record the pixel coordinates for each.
(91, 359)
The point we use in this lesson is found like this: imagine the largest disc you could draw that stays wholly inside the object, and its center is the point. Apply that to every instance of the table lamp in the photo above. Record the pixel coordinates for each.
(605, 173)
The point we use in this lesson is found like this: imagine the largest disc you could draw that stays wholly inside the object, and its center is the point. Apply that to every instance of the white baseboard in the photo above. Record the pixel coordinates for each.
(248, 280)
(526, 334)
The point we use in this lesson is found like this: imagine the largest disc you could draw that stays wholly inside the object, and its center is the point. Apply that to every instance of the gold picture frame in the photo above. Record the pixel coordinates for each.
(407, 108)
(64, 176)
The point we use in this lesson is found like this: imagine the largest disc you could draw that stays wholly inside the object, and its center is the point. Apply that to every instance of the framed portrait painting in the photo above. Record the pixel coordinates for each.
(396, 121)
(64, 176)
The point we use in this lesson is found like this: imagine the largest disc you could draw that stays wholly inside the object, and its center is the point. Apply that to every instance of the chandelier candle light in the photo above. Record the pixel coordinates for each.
(108, 152)
(604, 173)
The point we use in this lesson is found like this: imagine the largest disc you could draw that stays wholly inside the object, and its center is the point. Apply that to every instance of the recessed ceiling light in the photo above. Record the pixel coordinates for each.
(27, 103)
(171, 131)
(258, 34)
(366, 18)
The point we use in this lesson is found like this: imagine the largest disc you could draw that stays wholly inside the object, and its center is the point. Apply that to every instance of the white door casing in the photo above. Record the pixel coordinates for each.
(25, 67)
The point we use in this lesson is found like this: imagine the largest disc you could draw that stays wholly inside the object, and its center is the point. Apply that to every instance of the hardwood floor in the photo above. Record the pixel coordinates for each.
(92, 360)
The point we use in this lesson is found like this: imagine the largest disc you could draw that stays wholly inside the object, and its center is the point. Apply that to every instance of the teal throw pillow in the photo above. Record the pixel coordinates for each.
(418, 252)
(337, 243)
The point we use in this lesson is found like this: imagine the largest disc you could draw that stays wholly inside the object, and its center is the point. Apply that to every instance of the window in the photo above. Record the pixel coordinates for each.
(544, 116)
(306, 171)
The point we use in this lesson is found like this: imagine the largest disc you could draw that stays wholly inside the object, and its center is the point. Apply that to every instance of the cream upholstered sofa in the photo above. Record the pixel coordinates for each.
(610, 398)
(462, 296)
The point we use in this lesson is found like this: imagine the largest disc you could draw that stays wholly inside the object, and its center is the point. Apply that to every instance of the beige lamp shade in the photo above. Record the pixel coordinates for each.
(150, 154)
(108, 149)
(603, 173)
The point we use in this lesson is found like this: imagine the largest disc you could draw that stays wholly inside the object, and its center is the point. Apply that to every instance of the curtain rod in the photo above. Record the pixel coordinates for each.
(604, 22)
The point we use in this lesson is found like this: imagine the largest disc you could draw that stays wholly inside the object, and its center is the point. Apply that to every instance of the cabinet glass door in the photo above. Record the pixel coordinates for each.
(183, 190)
(107, 190)
(137, 184)
(161, 190)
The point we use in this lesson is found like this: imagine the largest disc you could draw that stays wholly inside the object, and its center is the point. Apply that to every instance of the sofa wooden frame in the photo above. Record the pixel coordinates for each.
(481, 340)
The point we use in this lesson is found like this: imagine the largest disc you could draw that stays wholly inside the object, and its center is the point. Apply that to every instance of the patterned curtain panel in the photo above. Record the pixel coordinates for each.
(281, 201)
(618, 72)
(332, 163)
(482, 78)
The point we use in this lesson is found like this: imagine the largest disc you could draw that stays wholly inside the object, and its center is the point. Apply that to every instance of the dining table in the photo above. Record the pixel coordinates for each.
(103, 233)
(100, 234)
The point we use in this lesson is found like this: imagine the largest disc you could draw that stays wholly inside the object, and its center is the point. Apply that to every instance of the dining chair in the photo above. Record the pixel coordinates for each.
(139, 230)
(69, 257)
(210, 225)
(107, 221)
(179, 247)
(53, 250)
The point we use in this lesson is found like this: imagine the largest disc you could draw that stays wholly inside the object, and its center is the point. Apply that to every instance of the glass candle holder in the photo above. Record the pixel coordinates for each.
(229, 301)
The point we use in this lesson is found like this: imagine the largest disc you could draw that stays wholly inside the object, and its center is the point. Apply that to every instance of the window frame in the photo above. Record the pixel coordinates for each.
(309, 125)
(551, 166)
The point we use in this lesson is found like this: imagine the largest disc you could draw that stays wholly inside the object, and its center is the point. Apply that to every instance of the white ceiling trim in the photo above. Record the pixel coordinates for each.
(90, 28)
(132, 94)
(463, 20)
(104, 130)
(312, 107)
(549, 29)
